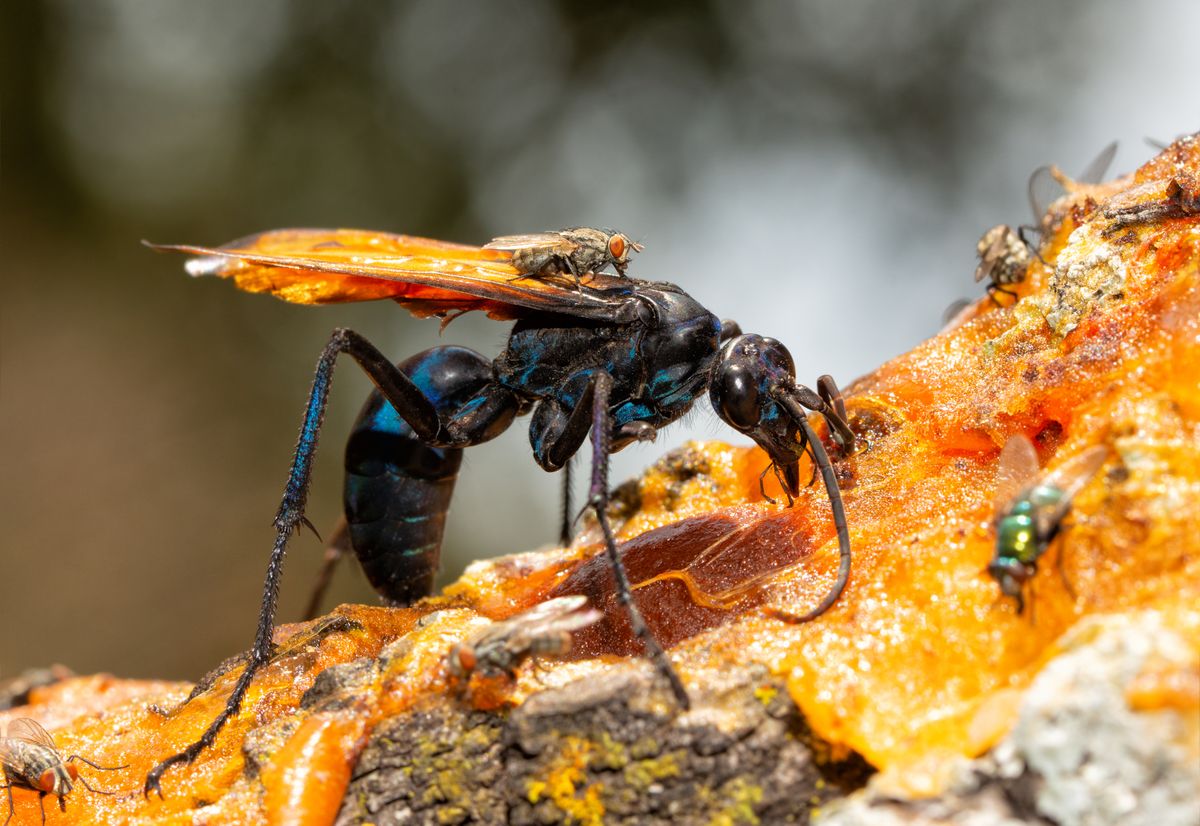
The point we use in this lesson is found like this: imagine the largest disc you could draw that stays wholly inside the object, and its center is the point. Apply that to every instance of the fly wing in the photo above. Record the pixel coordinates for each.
(559, 614)
(532, 240)
(1046, 182)
(570, 614)
(1071, 477)
(427, 277)
(28, 730)
(1044, 189)
(1097, 169)
(1017, 468)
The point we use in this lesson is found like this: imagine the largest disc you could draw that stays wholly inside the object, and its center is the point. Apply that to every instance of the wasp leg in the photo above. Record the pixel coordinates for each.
(833, 409)
(598, 501)
(793, 406)
(417, 410)
(568, 508)
(335, 549)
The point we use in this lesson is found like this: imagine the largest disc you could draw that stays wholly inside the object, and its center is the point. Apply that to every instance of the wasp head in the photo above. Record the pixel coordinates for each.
(749, 374)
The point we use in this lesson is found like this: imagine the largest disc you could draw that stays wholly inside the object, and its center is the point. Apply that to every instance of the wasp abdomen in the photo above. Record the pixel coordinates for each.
(398, 489)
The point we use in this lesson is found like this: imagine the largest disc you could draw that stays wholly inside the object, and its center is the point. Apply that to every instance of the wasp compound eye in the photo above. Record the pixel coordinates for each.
(735, 396)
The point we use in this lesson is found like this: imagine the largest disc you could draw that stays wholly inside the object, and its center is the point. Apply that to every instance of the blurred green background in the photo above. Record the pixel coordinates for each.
(818, 170)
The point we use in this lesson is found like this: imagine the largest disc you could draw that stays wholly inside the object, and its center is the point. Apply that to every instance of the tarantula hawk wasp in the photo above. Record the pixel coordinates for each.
(615, 357)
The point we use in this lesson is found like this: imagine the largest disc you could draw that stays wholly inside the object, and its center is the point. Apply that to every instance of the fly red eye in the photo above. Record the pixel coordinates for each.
(616, 247)
(73, 770)
(45, 781)
(466, 659)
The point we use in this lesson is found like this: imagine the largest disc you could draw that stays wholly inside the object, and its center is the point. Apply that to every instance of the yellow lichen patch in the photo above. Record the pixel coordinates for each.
(567, 773)
(922, 660)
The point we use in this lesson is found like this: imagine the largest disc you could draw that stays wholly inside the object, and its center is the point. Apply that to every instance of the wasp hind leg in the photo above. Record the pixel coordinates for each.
(469, 427)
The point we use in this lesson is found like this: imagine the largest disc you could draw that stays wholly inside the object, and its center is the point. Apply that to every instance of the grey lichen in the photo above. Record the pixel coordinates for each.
(1079, 755)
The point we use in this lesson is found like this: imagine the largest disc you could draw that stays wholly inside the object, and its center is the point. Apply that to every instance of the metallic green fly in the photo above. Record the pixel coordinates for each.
(1030, 509)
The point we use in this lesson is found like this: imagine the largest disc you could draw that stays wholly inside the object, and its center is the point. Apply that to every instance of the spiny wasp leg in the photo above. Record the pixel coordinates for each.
(412, 405)
(598, 501)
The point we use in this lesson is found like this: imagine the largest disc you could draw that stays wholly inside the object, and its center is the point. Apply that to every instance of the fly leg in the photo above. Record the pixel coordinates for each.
(1062, 571)
(8, 788)
(992, 289)
(417, 410)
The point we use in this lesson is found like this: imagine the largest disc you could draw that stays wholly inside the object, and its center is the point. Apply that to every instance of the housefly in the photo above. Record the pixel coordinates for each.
(544, 630)
(30, 760)
(1005, 253)
(575, 250)
(1030, 509)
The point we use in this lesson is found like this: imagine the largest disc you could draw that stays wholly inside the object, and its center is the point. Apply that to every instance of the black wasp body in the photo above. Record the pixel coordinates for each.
(398, 485)
(618, 358)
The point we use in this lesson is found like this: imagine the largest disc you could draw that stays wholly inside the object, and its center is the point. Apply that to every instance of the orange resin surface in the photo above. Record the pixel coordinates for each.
(921, 657)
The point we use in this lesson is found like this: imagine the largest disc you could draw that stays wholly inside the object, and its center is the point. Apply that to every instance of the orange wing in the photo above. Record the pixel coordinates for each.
(428, 277)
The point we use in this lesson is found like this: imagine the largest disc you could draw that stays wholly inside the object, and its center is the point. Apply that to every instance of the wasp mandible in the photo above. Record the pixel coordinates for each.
(617, 358)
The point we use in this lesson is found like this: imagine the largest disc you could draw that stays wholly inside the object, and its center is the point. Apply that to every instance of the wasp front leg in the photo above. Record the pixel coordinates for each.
(556, 436)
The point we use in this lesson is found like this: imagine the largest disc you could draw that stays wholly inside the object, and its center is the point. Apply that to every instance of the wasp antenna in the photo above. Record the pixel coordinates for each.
(791, 403)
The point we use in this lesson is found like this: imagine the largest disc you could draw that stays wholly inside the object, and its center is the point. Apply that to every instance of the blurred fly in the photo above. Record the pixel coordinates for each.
(1004, 256)
(544, 630)
(1005, 253)
(30, 760)
(1030, 509)
(575, 250)
(1048, 183)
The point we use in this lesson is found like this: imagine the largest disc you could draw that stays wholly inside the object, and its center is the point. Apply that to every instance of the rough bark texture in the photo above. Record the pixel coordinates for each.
(1083, 710)
(613, 751)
